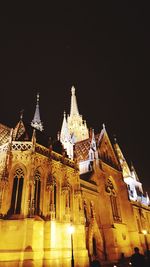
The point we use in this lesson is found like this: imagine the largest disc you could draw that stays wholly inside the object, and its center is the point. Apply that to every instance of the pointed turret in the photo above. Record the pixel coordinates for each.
(36, 122)
(66, 138)
(93, 153)
(64, 134)
(74, 107)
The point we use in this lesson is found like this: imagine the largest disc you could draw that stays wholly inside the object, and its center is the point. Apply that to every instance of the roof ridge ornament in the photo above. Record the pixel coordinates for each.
(21, 114)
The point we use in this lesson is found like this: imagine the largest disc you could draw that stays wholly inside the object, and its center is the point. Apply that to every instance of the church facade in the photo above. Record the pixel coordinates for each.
(82, 182)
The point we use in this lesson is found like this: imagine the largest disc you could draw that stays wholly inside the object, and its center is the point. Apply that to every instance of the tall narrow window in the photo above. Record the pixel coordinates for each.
(115, 210)
(113, 200)
(94, 247)
(37, 190)
(55, 194)
(16, 197)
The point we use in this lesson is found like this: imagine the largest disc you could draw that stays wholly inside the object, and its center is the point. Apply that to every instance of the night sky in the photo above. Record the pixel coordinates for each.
(102, 48)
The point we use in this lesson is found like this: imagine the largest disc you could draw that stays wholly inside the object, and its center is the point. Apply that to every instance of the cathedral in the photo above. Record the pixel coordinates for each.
(67, 201)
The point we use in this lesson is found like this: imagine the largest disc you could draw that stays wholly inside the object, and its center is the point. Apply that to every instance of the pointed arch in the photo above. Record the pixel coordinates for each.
(95, 241)
(17, 189)
(37, 191)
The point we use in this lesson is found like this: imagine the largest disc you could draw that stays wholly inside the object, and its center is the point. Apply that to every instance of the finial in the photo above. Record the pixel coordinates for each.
(132, 167)
(73, 90)
(103, 126)
(58, 136)
(21, 114)
(64, 113)
(115, 138)
(11, 135)
(38, 96)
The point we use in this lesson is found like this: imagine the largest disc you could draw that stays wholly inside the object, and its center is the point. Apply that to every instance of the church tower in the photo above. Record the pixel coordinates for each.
(74, 128)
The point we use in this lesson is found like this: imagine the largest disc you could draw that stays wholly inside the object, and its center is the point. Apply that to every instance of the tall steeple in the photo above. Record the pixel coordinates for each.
(36, 122)
(74, 128)
(76, 125)
(74, 107)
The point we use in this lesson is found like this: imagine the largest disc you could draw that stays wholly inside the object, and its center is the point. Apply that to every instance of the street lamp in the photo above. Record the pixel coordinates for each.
(145, 238)
(71, 231)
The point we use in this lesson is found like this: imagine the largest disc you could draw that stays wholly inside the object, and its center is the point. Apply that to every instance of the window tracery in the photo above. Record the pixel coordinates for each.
(37, 191)
(17, 191)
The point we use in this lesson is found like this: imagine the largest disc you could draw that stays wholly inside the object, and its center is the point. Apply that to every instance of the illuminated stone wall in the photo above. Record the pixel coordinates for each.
(41, 236)
(34, 225)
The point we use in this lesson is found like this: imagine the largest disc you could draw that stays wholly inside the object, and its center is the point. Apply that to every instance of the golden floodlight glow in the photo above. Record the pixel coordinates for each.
(53, 233)
(71, 229)
(144, 232)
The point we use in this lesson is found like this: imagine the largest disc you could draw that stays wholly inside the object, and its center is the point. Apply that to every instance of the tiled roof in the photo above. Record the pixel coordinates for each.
(82, 148)
(4, 134)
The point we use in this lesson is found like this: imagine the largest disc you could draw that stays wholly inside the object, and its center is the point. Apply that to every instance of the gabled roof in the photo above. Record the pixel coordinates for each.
(104, 146)
(4, 134)
(19, 131)
(24, 132)
(106, 150)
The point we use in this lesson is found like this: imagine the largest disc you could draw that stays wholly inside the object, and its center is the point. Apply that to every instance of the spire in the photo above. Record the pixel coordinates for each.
(64, 134)
(73, 129)
(74, 107)
(36, 122)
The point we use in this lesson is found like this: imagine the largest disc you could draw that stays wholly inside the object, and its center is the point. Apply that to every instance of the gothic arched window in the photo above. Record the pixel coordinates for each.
(37, 189)
(55, 197)
(17, 191)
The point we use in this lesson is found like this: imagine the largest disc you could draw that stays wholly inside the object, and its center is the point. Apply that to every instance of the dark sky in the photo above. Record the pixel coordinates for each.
(102, 48)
